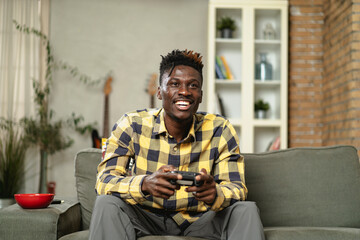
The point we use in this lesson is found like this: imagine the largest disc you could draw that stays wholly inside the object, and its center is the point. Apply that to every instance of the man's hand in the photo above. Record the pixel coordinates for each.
(158, 184)
(207, 191)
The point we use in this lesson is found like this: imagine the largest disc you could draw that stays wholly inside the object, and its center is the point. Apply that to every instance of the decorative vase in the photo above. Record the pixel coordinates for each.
(43, 171)
(269, 32)
(51, 187)
(263, 69)
(260, 114)
(226, 33)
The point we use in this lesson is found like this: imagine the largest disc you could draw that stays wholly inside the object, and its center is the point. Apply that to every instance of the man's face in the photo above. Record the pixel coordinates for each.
(180, 93)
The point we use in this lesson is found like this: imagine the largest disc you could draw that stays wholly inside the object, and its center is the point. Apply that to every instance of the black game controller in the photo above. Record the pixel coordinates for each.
(188, 179)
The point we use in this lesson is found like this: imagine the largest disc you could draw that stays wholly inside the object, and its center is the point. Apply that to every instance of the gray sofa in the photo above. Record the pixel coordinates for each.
(302, 194)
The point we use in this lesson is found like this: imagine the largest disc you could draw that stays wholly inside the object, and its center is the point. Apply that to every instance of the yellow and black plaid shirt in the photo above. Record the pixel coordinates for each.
(212, 143)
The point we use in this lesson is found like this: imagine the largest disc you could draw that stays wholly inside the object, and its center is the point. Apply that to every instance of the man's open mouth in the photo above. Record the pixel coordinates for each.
(183, 105)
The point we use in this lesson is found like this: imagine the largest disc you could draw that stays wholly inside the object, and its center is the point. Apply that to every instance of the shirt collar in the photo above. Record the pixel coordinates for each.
(159, 126)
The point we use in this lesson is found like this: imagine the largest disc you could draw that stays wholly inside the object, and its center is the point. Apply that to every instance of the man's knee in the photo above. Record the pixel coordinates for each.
(108, 203)
(109, 219)
(245, 208)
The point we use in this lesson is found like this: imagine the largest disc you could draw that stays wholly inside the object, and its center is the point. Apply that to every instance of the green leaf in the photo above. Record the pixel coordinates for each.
(12, 156)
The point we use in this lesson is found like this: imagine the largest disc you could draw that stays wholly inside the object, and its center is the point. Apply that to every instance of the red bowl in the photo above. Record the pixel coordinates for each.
(34, 200)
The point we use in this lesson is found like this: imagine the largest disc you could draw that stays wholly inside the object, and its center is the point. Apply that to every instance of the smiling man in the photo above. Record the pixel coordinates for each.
(150, 198)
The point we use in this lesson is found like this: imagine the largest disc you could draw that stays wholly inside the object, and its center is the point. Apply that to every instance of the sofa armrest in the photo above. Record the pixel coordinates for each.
(48, 223)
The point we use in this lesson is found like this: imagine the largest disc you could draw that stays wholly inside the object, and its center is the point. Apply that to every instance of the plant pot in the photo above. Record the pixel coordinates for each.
(226, 33)
(260, 114)
(5, 202)
(51, 187)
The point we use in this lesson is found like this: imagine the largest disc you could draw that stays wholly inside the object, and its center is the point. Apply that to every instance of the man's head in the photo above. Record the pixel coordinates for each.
(180, 57)
(180, 85)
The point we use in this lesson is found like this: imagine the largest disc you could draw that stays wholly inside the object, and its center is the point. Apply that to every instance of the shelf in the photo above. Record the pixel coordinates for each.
(227, 82)
(257, 122)
(267, 82)
(271, 84)
(228, 40)
(235, 122)
(267, 123)
(261, 29)
(270, 42)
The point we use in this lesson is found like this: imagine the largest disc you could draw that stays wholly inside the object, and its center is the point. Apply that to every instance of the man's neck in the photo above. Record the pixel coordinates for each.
(179, 130)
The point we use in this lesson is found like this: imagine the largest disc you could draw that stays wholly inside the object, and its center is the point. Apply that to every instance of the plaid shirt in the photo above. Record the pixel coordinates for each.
(212, 143)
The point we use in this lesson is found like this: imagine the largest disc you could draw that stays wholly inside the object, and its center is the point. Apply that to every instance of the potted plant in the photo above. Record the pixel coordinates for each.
(261, 107)
(12, 156)
(42, 130)
(226, 26)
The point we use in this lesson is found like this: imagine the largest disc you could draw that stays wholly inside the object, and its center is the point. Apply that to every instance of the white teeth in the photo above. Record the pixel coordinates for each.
(182, 103)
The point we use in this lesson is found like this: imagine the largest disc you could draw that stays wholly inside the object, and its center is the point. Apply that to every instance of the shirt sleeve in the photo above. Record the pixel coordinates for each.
(112, 177)
(229, 170)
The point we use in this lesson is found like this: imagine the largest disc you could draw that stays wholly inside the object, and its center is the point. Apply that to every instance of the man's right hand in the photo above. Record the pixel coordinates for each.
(158, 184)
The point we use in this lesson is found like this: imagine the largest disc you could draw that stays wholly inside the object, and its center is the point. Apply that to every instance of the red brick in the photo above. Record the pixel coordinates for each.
(322, 66)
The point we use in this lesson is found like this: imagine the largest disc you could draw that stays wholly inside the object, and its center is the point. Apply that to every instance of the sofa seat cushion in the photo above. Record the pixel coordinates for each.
(273, 233)
(81, 235)
(84, 235)
(311, 233)
(169, 238)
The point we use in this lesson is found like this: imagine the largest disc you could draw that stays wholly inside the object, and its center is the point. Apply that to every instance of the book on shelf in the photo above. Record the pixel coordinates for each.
(221, 66)
(227, 68)
(219, 74)
(274, 144)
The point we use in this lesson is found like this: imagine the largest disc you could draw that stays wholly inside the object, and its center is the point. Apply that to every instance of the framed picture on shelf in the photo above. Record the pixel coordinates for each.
(220, 105)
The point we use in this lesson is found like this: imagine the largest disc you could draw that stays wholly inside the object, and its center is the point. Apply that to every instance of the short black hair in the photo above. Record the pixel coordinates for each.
(181, 57)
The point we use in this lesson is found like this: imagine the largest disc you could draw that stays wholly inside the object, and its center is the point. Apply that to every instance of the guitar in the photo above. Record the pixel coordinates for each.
(96, 139)
(152, 89)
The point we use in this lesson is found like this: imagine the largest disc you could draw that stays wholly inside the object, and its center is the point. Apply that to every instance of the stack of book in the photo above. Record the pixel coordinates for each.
(222, 69)
(274, 144)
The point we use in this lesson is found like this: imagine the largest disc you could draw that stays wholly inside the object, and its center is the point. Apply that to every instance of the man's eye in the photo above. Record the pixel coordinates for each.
(194, 85)
(174, 84)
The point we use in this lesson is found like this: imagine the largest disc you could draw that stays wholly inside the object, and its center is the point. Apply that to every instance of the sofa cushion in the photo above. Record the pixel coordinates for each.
(169, 238)
(84, 235)
(313, 233)
(81, 235)
(86, 162)
(317, 187)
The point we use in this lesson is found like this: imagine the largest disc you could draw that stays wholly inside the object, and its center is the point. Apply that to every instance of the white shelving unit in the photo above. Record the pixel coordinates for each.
(242, 53)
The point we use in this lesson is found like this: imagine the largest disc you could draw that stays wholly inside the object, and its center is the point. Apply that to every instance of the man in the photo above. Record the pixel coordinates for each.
(160, 141)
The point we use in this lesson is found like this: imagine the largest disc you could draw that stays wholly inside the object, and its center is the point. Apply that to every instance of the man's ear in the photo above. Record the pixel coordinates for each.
(201, 96)
(159, 94)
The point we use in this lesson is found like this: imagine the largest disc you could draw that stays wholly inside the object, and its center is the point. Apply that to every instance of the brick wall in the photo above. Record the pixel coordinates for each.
(324, 86)
(306, 21)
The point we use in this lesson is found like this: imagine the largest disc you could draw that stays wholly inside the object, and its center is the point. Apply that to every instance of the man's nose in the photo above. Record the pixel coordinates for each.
(184, 90)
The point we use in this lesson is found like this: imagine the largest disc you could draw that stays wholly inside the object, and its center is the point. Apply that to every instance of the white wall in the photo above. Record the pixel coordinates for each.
(126, 37)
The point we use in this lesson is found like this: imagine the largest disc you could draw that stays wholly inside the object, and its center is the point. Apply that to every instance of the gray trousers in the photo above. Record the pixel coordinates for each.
(112, 218)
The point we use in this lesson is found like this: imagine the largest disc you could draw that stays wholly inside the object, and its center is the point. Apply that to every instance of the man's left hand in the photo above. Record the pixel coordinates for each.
(207, 191)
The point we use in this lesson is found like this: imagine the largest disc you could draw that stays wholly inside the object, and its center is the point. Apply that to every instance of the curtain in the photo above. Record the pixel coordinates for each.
(19, 57)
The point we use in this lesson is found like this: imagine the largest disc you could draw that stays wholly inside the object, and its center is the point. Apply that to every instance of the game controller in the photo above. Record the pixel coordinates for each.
(188, 179)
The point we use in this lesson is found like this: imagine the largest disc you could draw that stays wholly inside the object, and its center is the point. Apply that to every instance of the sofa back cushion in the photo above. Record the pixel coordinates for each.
(86, 162)
(306, 186)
